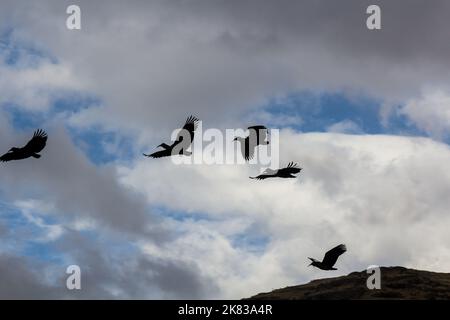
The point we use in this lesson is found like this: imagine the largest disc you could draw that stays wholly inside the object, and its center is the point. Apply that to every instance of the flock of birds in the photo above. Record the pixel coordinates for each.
(257, 136)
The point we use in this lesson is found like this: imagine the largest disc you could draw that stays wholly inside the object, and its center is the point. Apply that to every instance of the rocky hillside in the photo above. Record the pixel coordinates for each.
(396, 283)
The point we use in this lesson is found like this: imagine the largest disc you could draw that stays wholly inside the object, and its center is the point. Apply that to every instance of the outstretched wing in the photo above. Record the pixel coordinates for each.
(159, 154)
(37, 143)
(188, 130)
(331, 256)
(293, 168)
(268, 173)
(262, 177)
(257, 135)
(8, 156)
(290, 169)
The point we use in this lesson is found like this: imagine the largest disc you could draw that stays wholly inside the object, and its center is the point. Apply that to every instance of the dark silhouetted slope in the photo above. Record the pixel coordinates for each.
(396, 283)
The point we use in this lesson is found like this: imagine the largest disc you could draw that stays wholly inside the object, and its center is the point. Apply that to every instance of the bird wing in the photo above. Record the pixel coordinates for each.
(159, 154)
(247, 151)
(37, 143)
(331, 256)
(262, 177)
(292, 168)
(257, 134)
(268, 173)
(10, 155)
(189, 127)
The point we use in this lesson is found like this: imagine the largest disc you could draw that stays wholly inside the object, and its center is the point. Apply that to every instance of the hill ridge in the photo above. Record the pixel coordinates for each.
(396, 283)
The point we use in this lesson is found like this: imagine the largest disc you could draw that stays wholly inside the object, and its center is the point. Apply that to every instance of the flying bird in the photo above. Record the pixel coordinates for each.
(287, 172)
(329, 259)
(31, 149)
(182, 142)
(257, 136)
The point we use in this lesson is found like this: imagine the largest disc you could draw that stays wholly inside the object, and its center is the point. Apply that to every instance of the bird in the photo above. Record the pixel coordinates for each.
(287, 172)
(180, 145)
(329, 259)
(257, 136)
(31, 149)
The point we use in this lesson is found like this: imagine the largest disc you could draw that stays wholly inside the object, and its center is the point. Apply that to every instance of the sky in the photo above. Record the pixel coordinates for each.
(365, 113)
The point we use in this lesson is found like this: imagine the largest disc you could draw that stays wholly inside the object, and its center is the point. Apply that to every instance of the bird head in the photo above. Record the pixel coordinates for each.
(13, 149)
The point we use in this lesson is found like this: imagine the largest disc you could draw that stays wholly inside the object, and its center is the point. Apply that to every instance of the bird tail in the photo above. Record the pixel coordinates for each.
(35, 155)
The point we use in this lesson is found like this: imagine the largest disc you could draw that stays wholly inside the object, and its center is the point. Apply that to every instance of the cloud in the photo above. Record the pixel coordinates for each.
(20, 280)
(346, 126)
(218, 60)
(276, 120)
(66, 179)
(106, 273)
(34, 85)
(377, 202)
(82, 214)
(430, 113)
(116, 269)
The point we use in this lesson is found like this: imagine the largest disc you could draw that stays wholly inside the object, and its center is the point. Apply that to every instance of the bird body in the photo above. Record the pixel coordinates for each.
(287, 172)
(257, 136)
(329, 259)
(31, 149)
(182, 142)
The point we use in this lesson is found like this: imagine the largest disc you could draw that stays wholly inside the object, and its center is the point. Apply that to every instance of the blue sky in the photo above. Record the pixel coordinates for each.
(319, 111)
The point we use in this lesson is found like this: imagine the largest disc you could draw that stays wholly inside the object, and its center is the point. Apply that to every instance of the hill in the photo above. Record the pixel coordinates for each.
(396, 283)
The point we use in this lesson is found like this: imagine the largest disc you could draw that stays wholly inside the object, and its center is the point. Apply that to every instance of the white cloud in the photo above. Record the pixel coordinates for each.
(346, 126)
(378, 194)
(35, 88)
(430, 112)
(32, 211)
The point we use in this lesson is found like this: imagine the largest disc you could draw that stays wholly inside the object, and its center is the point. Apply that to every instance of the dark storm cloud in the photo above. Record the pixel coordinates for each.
(105, 274)
(218, 59)
(110, 273)
(22, 280)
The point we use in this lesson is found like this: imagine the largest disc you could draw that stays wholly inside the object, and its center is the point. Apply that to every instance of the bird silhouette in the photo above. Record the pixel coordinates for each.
(329, 259)
(257, 136)
(287, 172)
(31, 149)
(182, 142)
